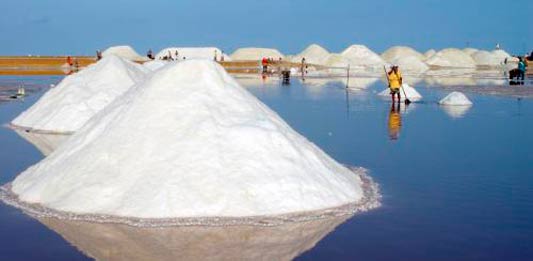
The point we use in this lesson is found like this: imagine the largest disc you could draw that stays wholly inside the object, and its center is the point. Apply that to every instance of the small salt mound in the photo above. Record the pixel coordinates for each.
(66, 107)
(487, 59)
(154, 65)
(255, 54)
(411, 64)
(192, 53)
(455, 99)
(124, 51)
(470, 51)
(429, 53)
(336, 60)
(411, 93)
(188, 142)
(314, 53)
(399, 52)
(360, 55)
(451, 57)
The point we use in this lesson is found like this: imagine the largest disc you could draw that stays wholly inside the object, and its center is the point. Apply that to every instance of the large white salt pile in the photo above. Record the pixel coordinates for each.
(398, 52)
(451, 57)
(336, 60)
(406, 58)
(360, 55)
(429, 53)
(188, 142)
(455, 99)
(255, 54)
(314, 53)
(411, 93)
(487, 59)
(193, 53)
(124, 51)
(501, 54)
(154, 65)
(66, 107)
(471, 51)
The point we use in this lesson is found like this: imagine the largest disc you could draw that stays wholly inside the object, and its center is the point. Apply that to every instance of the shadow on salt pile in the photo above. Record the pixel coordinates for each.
(45, 143)
(122, 242)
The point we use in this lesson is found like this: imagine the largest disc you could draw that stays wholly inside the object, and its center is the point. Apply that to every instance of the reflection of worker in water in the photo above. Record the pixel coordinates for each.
(395, 122)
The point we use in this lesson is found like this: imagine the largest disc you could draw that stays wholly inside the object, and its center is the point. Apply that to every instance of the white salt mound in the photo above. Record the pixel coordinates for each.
(193, 53)
(484, 58)
(470, 51)
(411, 64)
(451, 57)
(314, 53)
(154, 65)
(124, 51)
(455, 99)
(429, 53)
(411, 93)
(360, 55)
(66, 107)
(255, 54)
(400, 52)
(188, 142)
(336, 60)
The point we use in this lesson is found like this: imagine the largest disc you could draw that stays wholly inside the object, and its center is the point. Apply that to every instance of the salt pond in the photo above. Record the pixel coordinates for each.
(454, 188)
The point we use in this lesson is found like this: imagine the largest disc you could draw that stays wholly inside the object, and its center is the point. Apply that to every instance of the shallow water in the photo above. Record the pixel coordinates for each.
(455, 183)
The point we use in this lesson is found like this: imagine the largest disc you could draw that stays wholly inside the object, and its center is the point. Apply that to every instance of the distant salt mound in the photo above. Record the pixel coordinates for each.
(429, 53)
(360, 55)
(336, 60)
(124, 51)
(501, 55)
(470, 51)
(188, 142)
(314, 53)
(255, 54)
(487, 59)
(400, 52)
(411, 64)
(154, 65)
(66, 107)
(411, 93)
(455, 99)
(207, 53)
(451, 58)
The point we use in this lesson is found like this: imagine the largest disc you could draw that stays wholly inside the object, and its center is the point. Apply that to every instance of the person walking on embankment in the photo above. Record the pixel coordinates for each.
(395, 82)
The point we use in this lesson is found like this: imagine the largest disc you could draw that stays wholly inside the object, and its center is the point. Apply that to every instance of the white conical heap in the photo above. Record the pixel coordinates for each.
(67, 106)
(455, 99)
(188, 142)
(208, 53)
(255, 54)
(451, 58)
(360, 55)
(398, 52)
(314, 53)
(124, 51)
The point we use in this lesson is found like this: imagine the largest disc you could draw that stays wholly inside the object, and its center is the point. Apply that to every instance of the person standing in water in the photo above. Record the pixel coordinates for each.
(395, 82)
(522, 67)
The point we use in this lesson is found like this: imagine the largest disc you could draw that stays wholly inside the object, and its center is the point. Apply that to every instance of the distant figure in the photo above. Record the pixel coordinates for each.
(150, 54)
(222, 56)
(184, 58)
(530, 58)
(215, 58)
(69, 60)
(98, 55)
(76, 64)
(177, 55)
(522, 67)
(264, 62)
(170, 56)
(302, 66)
(395, 82)
(498, 46)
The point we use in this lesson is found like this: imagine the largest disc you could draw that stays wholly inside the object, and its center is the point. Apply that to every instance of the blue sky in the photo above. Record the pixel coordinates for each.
(81, 27)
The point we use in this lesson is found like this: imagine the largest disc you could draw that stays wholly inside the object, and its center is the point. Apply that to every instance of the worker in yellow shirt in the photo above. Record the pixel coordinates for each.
(395, 82)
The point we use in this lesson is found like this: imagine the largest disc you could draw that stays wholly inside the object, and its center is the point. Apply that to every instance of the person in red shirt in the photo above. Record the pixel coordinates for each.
(264, 62)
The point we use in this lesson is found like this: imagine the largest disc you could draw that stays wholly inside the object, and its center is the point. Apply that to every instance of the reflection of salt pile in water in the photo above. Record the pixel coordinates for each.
(410, 92)
(190, 142)
(255, 54)
(360, 55)
(115, 242)
(455, 99)
(66, 107)
(124, 51)
(154, 65)
(451, 77)
(314, 53)
(45, 143)
(406, 58)
(192, 53)
(455, 104)
(451, 57)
